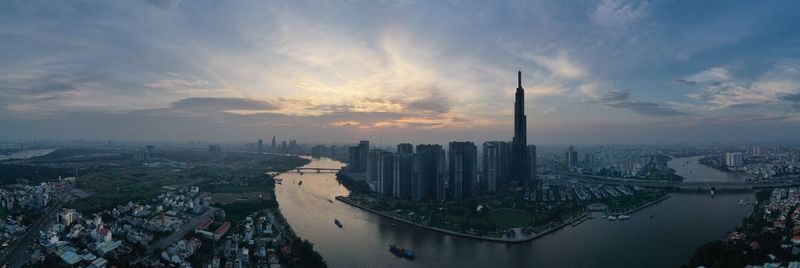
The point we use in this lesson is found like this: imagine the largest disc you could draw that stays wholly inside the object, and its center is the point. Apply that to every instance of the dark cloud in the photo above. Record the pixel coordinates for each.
(164, 4)
(615, 96)
(621, 99)
(687, 82)
(222, 104)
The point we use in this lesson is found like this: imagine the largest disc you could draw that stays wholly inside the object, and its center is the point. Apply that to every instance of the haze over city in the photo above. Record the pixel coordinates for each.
(424, 71)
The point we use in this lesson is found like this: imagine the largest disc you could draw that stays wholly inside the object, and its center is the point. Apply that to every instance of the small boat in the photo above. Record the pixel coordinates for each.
(401, 252)
(331, 201)
(300, 183)
(394, 224)
(651, 216)
(612, 217)
(623, 217)
(337, 222)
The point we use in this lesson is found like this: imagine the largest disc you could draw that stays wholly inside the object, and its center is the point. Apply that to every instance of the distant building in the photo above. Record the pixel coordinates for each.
(427, 181)
(733, 159)
(273, 144)
(405, 148)
(463, 159)
(571, 157)
(260, 146)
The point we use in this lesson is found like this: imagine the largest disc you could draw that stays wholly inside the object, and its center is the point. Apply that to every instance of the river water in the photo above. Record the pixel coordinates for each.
(667, 239)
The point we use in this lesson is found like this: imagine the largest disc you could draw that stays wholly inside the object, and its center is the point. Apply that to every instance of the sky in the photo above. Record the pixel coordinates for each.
(594, 72)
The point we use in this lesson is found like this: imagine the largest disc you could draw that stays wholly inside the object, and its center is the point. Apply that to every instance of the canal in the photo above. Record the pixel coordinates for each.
(663, 235)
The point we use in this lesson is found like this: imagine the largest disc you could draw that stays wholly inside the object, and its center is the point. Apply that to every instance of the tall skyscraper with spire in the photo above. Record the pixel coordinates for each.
(519, 163)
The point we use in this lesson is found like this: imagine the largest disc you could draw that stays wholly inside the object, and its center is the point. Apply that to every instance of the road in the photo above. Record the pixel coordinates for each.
(729, 185)
(178, 235)
(18, 253)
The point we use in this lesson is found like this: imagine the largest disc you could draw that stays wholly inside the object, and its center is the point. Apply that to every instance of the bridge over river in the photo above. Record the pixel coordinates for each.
(677, 185)
(302, 170)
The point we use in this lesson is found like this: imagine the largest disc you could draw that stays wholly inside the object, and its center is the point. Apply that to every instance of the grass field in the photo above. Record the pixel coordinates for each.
(509, 218)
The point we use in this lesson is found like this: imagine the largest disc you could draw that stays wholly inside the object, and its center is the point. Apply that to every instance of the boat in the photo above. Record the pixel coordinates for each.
(623, 217)
(337, 222)
(394, 224)
(612, 217)
(331, 201)
(712, 191)
(401, 252)
(300, 183)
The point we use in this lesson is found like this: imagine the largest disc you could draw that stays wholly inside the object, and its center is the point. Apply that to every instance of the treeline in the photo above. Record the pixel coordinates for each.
(10, 173)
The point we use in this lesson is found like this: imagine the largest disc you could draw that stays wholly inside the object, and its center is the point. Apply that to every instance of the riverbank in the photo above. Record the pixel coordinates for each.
(643, 206)
(564, 223)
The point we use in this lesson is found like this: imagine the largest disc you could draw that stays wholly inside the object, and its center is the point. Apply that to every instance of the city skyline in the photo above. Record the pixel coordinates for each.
(614, 72)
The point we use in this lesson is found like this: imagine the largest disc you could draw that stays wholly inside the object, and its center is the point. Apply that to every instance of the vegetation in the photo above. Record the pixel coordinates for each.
(354, 186)
(753, 249)
(509, 218)
(10, 173)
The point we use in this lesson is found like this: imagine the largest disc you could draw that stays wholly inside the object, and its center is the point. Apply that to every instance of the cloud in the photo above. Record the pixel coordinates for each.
(621, 99)
(780, 81)
(222, 104)
(619, 12)
(558, 65)
(716, 74)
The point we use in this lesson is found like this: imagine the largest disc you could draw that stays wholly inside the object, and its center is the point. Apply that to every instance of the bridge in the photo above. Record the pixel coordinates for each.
(302, 170)
(677, 185)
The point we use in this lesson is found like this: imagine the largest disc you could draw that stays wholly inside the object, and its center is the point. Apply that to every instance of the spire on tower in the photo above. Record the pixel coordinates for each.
(519, 79)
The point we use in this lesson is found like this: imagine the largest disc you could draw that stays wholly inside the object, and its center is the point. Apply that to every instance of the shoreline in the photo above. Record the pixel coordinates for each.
(643, 206)
(566, 222)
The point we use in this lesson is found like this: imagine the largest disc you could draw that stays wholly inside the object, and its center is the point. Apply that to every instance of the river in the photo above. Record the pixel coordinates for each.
(667, 239)
(26, 154)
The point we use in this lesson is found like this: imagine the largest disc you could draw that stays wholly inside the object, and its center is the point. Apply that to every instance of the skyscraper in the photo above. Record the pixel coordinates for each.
(260, 146)
(428, 179)
(386, 174)
(490, 160)
(273, 144)
(501, 162)
(373, 164)
(403, 174)
(463, 159)
(519, 167)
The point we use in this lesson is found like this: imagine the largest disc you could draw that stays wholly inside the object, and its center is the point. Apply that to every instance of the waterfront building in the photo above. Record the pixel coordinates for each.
(733, 159)
(403, 174)
(386, 174)
(519, 163)
(357, 156)
(502, 162)
(463, 162)
(427, 181)
(373, 164)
